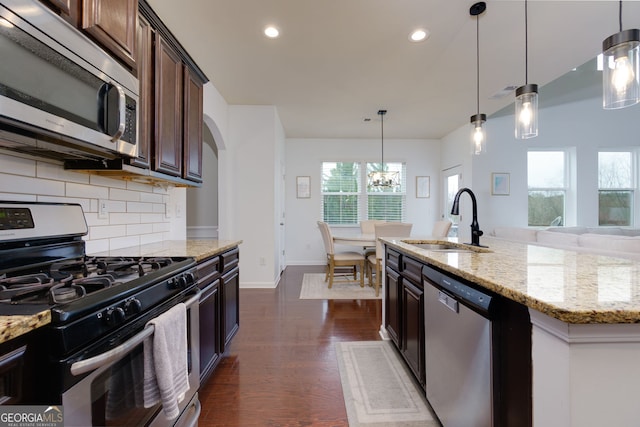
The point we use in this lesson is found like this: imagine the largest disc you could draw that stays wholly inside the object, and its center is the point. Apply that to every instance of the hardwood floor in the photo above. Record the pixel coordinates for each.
(281, 368)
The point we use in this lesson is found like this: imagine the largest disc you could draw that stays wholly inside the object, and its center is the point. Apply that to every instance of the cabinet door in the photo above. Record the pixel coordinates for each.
(168, 123)
(145, 103)
(392, 305)
(413, 328)
(210, 342)
(113, 24)
(192, 169)
(230, 288)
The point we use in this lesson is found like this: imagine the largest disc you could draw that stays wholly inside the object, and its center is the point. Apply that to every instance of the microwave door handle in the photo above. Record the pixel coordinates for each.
(121, 113)
(117, 353)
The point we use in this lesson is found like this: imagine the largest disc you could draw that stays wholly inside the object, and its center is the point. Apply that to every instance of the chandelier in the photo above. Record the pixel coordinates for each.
(383, 178)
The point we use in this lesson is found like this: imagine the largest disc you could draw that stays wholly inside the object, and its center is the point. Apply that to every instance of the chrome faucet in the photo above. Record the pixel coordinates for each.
(475, 227)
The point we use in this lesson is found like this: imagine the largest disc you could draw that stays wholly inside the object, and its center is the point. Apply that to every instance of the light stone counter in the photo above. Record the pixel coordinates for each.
(573, 287)
(15, 325)
(198, 249)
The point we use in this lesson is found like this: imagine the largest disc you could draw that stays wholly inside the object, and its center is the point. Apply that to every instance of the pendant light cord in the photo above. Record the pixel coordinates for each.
(478, 63)
(620, 15)
(526, 45)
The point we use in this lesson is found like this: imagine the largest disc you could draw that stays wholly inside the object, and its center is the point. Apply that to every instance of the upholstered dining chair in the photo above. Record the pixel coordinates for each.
(389, 229)
(340, 259)
(441, 228)
(367, 226)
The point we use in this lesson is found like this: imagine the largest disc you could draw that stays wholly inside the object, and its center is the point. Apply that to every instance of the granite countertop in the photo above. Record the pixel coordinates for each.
(198, 249)
(12, 326)
(573, 287)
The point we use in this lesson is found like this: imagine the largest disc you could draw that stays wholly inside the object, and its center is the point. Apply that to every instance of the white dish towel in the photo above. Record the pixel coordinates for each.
(166, 377)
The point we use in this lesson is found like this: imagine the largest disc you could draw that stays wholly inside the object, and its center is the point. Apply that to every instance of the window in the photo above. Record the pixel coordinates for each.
(615, 188)
(347, 199)
(546, 178)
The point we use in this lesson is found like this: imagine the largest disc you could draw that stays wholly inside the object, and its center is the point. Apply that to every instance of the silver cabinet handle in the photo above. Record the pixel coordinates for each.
(120, 351)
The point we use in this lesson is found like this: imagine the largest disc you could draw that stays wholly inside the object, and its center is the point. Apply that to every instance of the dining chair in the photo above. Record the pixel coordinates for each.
(367, 226)
(389, 229)
(441, 228)
(340, 259)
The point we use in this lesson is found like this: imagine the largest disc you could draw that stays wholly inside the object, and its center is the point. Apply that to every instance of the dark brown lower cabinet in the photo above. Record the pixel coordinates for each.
(413, 328)
(219, 282)
(392, 299)
(230, 285)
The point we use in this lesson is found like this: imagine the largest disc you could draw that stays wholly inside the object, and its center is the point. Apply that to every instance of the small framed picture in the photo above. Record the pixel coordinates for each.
(499, 184)
(422, 187)
(303, 187)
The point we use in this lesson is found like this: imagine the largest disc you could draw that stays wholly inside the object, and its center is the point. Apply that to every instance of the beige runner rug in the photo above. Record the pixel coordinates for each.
(314, 287)
(378, 390)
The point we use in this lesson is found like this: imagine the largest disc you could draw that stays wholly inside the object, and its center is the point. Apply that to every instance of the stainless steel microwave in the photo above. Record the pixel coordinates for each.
(61, 95)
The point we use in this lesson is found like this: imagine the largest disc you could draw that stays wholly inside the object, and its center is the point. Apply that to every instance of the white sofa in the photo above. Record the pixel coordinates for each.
(612, 241)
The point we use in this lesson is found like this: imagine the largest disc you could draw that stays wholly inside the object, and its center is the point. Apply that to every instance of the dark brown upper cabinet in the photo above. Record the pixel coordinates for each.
(113, 24)
(192, 169)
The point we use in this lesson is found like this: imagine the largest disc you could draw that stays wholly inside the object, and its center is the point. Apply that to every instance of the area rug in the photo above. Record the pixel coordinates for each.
(378, 390)
(314, 287)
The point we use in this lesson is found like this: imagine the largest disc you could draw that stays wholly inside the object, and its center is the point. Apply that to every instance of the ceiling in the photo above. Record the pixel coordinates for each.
(338, 62)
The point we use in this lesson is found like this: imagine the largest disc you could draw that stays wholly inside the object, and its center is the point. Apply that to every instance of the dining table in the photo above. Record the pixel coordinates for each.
(364, 240)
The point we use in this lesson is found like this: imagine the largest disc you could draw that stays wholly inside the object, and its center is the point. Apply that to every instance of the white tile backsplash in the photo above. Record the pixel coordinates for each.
(135, 211)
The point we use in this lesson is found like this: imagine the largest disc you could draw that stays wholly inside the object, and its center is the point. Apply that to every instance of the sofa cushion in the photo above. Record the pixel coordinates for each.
(611, 231)
(520, 234)
(610, 242)
(557, 239)
(574, 230)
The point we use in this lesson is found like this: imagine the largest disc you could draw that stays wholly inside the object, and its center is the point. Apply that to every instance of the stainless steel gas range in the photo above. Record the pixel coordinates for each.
(90, 357)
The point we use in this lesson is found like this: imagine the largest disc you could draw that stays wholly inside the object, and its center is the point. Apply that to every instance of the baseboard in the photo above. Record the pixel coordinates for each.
(307, 262)
(202, 232)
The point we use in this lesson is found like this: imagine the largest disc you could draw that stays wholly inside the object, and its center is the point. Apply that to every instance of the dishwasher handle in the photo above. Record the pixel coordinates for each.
(448, 301)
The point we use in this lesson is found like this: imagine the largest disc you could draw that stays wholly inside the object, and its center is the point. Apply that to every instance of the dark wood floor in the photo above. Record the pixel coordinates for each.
(281, 368)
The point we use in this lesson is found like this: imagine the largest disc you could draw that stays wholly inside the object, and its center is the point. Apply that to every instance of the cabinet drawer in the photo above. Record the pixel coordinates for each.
(393, 259)
(229, 260)
(208, 271)
(412, 269)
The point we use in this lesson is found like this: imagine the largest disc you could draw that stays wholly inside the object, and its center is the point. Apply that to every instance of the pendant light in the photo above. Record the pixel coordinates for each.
(382, 178)
(621, 71)
(478, 133)
(527, 95)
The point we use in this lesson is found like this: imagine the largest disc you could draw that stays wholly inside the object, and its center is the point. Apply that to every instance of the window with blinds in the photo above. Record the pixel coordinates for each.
(347, 199)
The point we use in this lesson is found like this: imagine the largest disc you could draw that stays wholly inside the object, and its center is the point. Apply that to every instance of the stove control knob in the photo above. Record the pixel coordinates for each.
(132, 306)
(115, 316)
(191, 278)
(182, 282)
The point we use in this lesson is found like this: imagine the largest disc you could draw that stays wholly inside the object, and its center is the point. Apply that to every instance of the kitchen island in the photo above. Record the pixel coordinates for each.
(584, 311)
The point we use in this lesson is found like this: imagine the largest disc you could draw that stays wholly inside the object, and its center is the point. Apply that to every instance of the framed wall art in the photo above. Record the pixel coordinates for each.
(499, 184)
(422, 187)
(303, 187)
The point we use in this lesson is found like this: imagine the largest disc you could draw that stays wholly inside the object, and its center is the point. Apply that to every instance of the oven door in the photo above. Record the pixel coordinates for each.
(111, 395)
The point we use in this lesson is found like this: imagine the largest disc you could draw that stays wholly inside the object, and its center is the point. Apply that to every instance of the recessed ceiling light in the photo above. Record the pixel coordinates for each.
(271, 32)
(419, 35)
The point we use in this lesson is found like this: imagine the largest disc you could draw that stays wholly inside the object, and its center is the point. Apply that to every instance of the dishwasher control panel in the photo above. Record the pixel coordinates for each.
(458, 289)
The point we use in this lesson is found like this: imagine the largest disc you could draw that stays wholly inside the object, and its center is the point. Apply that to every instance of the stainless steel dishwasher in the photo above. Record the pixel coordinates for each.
(458, 351)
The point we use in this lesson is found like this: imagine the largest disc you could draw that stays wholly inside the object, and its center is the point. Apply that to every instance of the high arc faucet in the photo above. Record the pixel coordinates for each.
(475, 227)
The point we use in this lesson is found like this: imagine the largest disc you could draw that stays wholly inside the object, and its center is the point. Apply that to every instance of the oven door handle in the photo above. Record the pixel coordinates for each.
(117, 353)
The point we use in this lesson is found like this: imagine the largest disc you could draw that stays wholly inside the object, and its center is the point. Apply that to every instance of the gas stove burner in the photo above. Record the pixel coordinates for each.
(76, 268)
(94, 283)
(65, 293)
(145, 265)
(14, 287)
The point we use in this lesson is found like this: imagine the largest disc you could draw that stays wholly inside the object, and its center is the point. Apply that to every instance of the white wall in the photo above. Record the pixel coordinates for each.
(304, 157)
(250, 158)
(202, 202)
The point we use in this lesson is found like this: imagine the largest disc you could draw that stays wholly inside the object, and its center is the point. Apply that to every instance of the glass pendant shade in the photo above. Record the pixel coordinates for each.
(478, 134)
(621, 71)
(527, 111)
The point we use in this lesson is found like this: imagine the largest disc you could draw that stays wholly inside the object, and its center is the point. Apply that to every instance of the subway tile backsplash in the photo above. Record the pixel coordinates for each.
(136, 212)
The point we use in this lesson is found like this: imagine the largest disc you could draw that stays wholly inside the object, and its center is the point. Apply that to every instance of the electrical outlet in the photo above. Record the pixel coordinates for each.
(103, 209)
(178, 211)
